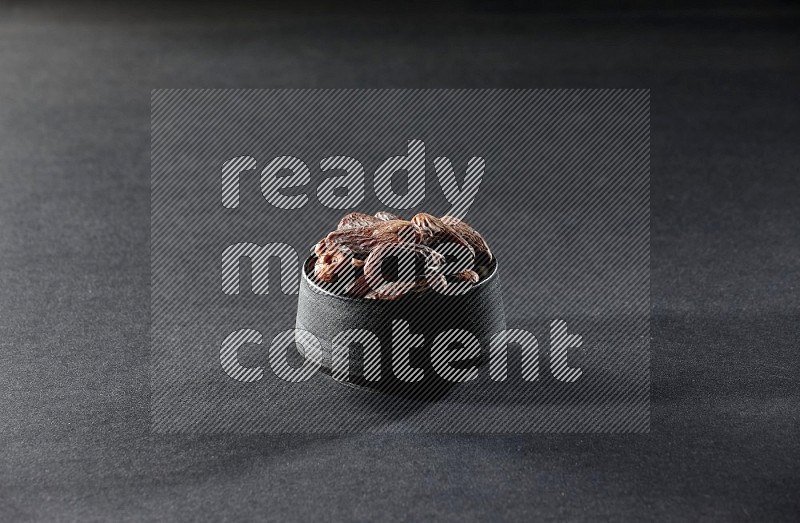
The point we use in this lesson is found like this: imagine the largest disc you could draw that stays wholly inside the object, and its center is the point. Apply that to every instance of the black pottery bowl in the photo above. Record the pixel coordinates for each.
(478, 311)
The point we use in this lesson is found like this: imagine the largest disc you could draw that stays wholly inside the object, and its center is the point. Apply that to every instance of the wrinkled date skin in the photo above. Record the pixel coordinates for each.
(363, 242)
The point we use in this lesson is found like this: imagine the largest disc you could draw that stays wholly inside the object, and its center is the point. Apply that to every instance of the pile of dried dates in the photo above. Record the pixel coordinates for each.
(362, 257)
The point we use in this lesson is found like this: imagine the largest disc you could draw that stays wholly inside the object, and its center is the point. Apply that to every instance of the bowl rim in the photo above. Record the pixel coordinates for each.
(319, 290)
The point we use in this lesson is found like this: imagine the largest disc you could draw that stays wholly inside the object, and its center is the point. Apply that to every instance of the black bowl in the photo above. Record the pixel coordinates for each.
(479, 311)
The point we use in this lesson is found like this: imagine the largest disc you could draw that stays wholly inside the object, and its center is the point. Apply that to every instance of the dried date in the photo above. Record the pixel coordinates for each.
(385, 216)
(361, 243)
(357, 219)
(473, 238)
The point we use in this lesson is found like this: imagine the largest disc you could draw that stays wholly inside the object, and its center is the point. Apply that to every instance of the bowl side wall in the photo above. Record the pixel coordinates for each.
(479, 311)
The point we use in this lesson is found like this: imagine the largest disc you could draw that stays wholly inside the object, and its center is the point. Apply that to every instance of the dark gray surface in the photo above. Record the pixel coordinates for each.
(74, 204)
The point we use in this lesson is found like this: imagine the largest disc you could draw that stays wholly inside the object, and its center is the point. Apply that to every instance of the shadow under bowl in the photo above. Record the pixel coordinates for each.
(479, 311)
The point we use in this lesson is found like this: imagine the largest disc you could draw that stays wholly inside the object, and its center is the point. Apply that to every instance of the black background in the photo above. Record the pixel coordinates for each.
(75, 87)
